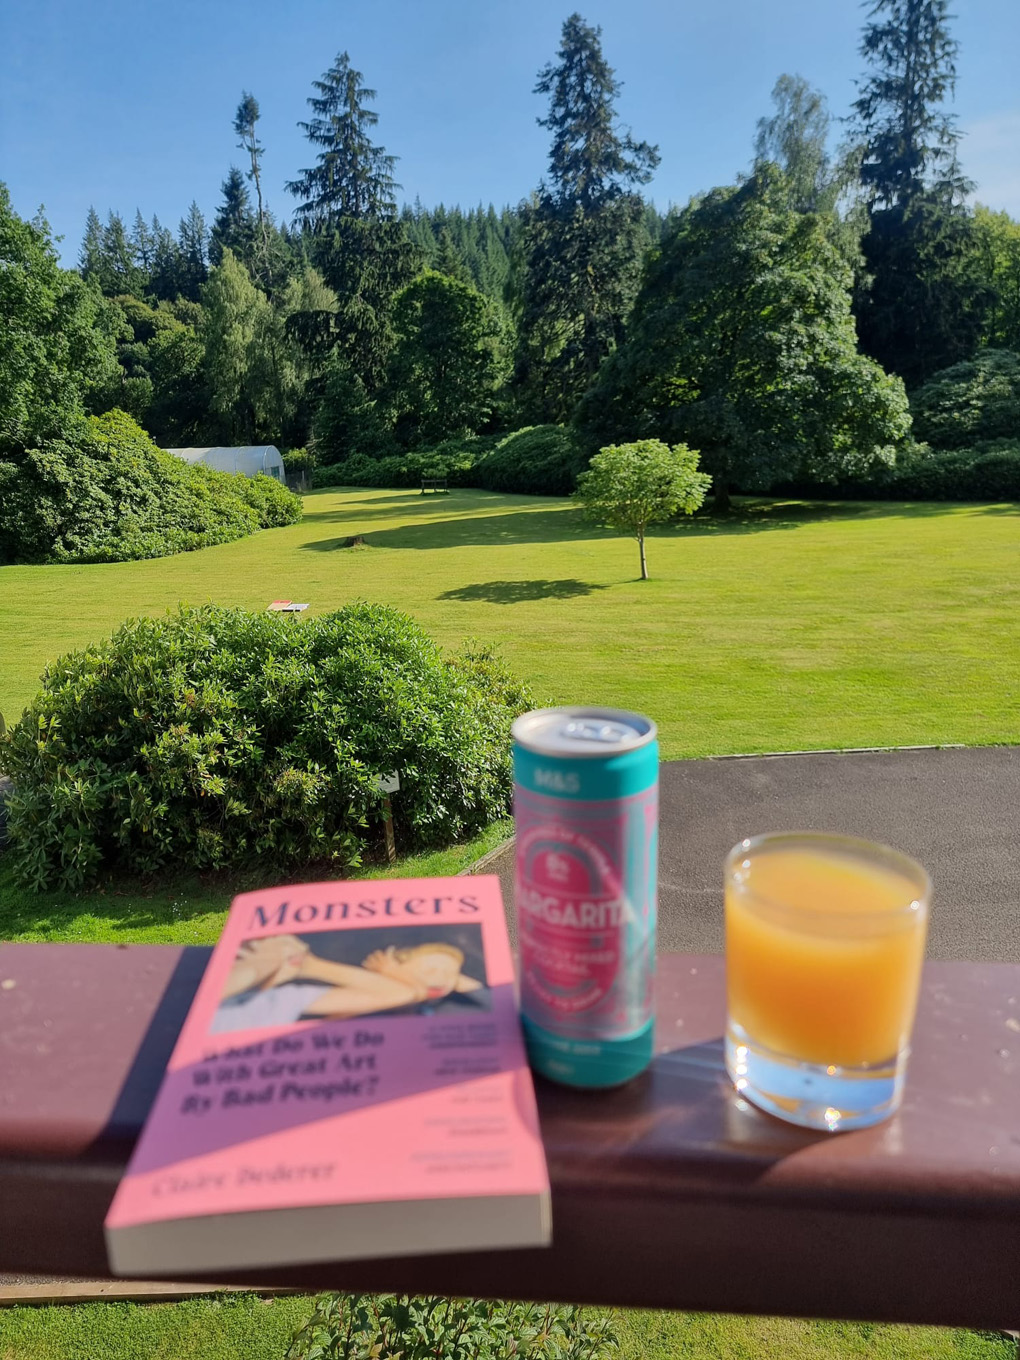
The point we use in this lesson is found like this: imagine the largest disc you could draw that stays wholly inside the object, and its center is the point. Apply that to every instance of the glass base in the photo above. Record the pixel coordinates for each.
(828, 1098)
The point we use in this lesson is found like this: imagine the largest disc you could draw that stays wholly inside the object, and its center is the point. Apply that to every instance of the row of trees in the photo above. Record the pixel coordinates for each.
(769, 323)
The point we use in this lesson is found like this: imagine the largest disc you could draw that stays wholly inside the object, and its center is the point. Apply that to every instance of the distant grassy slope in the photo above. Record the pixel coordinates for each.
(791, 626)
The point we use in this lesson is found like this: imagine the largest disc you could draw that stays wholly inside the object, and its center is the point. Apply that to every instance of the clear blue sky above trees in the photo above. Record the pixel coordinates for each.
(124, 105)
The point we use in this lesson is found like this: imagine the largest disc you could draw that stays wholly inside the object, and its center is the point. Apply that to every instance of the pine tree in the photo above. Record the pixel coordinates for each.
(143, 245)
(352, 178)
(166, 274)
(234, 226)
(582, 230)
(90, 256)
(356, 239)
(193, 240)
(910, 141)
(922, 306)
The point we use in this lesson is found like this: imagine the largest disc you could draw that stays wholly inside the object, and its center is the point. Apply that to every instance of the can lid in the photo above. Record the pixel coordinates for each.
(583, 731)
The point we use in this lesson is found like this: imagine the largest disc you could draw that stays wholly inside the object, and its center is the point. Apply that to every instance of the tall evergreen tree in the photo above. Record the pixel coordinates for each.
(582, 237)
(90, 256)
(357, 241)
(143, 244)
(165, 278)
(924, 301)
(351, 177)
(193, 241)
(234, 225)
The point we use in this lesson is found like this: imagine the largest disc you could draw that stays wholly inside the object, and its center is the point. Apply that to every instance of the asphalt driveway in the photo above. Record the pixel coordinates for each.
(957, 810)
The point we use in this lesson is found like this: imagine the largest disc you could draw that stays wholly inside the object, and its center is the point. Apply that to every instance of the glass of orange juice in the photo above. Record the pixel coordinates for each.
(825, 938)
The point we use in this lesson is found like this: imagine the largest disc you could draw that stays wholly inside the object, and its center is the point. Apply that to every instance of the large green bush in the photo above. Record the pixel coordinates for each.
(215, 738)
(541, 460)
(103, 492)
(970, 402)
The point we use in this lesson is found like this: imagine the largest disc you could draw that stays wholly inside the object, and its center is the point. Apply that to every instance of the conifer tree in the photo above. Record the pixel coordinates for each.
(923, 305)
(582, 229)
(193, 241)
(357, 240)
(234, 226)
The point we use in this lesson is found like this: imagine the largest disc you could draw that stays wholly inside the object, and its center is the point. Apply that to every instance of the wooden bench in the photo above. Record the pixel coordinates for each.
(670, 1192)
(434, 484)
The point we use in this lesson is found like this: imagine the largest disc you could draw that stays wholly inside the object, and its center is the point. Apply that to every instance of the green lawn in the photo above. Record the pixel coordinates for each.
(236, 1326)
(789, 626)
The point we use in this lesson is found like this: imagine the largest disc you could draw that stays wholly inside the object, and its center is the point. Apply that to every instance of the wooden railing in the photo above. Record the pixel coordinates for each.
(670, 1192)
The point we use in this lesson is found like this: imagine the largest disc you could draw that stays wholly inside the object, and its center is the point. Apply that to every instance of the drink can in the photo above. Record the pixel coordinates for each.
(586, 808)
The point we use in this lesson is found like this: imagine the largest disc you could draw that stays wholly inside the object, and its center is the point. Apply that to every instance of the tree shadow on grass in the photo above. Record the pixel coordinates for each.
(518, 592)
(566, 523)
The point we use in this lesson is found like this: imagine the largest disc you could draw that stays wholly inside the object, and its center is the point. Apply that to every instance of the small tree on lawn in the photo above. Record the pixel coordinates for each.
(630, 486)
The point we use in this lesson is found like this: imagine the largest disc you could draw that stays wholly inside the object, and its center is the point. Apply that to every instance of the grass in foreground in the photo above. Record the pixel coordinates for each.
(232, 1326)
(188, 910)
(788, 625)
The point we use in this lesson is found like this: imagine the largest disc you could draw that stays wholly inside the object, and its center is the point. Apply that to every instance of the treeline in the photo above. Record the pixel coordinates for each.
(776, 323)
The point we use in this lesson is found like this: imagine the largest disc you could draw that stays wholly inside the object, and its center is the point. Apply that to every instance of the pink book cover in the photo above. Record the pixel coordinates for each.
(350, 1044)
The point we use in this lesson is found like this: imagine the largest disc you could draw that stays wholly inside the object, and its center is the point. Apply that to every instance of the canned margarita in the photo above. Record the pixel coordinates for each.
(586, 804)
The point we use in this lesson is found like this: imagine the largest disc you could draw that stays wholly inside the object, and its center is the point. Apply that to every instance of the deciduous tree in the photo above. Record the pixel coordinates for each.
(632, 486)
(446, 363)
(743, 344)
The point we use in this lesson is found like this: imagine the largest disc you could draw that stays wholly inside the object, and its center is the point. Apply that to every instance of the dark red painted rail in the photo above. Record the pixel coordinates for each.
(669, 1193)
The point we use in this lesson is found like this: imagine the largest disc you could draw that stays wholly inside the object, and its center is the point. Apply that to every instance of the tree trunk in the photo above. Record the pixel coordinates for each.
(644, 564)
(721, 492)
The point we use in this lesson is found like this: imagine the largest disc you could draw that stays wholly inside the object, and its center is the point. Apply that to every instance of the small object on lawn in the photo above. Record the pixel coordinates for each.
(356, 542)
(435, 484)
(286, 607)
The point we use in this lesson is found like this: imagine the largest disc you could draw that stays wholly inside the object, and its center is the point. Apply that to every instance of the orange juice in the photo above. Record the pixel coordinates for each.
(823, 951)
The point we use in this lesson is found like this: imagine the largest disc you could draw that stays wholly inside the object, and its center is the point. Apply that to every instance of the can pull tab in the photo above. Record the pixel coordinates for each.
(595, 729)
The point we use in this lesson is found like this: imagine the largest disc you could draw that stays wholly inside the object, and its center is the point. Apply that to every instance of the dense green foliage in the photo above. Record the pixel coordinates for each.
(631, 486)
(447, 361)
(363, 332)
(216, 738)
(52, 352)
(742, 345)
(540, 460)
(373, 1326)
(970, 402)
(103, 492)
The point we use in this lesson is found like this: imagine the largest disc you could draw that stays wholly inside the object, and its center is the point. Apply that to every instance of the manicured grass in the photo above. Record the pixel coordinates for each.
(189, 910)
(700, 1336)
(787, 626)
(233, 1326)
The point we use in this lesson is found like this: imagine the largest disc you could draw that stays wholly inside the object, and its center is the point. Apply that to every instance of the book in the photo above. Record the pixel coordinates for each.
(350, 1082)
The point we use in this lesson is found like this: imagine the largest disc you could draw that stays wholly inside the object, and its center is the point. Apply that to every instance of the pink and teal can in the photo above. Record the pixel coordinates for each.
(586, 808)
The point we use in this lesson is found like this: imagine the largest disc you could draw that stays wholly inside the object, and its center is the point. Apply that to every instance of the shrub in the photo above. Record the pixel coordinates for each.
(105, 493)
(363, 1326)
(298, 460)
(540, 460)
(216, 738)
(970, 402)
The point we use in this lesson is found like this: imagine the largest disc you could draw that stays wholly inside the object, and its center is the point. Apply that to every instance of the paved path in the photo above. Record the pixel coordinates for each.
(956, 810)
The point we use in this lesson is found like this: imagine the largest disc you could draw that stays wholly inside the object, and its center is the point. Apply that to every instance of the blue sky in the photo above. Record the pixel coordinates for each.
(129, 103)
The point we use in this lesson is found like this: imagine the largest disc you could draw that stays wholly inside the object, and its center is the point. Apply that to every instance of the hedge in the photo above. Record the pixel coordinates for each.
(541, 460)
